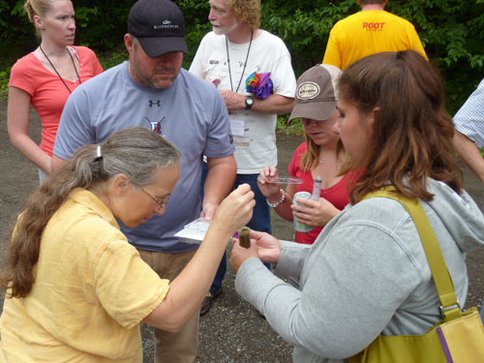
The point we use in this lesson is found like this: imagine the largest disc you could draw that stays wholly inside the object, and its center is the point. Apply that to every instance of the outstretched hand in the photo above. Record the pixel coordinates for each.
(263, 246)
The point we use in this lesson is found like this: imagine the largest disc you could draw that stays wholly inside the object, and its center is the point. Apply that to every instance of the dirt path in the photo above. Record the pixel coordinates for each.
(232, 331)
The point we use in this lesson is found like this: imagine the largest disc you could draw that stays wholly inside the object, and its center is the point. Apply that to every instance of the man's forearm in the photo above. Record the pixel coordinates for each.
(219, 182)
(56, 163)
(470, 154)
(274, 104)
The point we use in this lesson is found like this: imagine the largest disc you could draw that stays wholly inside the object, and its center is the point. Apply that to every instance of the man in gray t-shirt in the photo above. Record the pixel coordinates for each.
(152, 90)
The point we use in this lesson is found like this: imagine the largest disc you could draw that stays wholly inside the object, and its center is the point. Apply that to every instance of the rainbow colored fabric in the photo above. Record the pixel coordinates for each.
(259, 84)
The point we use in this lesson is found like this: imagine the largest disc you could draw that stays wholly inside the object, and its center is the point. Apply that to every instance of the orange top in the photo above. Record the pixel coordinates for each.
(47, 92)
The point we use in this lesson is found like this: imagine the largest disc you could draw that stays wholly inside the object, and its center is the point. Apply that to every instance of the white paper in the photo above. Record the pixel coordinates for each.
(194, 232)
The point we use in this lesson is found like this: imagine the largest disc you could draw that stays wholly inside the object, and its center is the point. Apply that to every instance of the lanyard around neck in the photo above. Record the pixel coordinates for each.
(245, 63)
(57, 72)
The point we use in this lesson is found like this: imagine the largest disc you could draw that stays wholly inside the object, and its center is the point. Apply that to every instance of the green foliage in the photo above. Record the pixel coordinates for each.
(110, 59)
(304, 26)
(196, 23)
(17, 35)
(452, 32)
(294, 128)
(4, 75)
(101, 25)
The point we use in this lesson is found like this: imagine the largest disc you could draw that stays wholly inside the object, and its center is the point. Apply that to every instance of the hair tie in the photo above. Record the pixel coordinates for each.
(98, 152)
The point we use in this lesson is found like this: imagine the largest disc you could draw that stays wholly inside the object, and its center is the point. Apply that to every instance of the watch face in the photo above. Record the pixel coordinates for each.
(249, 101)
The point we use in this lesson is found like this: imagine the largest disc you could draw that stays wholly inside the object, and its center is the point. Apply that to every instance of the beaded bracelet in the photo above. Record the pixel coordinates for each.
(275, 204)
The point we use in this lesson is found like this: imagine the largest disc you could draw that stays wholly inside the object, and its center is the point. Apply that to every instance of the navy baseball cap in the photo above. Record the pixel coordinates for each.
(159, 26)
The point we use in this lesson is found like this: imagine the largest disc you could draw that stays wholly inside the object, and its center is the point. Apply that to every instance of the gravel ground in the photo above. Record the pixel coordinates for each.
(232, 331)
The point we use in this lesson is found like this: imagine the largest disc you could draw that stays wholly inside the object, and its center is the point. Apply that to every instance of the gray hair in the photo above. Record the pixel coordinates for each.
(136, 152)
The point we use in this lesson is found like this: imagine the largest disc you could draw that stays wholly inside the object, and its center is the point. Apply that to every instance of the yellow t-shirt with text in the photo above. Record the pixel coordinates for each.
(369, 32)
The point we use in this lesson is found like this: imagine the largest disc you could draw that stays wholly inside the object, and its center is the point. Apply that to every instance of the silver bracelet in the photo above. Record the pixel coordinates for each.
(275, 204)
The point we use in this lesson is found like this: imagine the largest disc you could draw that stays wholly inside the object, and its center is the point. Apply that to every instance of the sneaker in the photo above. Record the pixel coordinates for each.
(207, 301)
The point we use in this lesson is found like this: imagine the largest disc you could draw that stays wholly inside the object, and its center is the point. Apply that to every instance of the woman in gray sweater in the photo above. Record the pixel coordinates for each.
(367, 273)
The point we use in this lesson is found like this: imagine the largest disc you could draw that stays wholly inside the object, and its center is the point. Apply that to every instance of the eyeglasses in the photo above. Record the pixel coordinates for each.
(160, 202)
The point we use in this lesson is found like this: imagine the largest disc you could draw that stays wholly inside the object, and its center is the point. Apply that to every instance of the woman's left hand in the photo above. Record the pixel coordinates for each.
(262, 245)
(314, 212)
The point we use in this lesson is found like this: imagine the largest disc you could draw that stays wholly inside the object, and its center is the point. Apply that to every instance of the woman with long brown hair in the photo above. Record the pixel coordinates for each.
(367, 274)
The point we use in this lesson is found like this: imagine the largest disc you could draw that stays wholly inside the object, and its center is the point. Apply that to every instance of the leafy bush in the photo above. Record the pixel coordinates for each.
(4, 75)
(452, 32)
(295, 128)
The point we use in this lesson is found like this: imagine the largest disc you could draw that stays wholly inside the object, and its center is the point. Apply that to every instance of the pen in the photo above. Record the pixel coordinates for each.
(316, 188)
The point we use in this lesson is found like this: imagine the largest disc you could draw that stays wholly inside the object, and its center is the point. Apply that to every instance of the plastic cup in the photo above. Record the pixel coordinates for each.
(298, 226)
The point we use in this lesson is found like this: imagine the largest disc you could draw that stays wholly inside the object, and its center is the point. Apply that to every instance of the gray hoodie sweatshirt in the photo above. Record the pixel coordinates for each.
(366, 274)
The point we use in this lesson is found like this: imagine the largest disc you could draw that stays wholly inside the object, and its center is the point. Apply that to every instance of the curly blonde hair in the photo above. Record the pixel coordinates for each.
(247, 11)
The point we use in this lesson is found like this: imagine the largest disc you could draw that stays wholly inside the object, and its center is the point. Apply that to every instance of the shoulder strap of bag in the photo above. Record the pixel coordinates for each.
(449, 306)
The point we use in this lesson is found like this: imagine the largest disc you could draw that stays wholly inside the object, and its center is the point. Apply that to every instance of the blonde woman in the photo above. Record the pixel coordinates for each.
(46, 77)
(321, 157)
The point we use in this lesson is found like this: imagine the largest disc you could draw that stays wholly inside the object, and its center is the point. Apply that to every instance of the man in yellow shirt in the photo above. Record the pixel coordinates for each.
(372, 30)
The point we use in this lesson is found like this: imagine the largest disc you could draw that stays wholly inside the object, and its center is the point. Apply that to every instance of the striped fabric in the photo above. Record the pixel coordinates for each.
(469, 120)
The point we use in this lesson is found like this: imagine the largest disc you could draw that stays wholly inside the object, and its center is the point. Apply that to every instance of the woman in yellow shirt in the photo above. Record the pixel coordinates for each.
(76, 289)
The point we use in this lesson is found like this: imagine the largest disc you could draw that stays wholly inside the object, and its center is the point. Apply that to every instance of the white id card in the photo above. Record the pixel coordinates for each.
(238, 127)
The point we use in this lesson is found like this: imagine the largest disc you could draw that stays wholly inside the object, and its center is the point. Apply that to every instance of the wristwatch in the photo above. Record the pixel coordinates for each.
(249, 101)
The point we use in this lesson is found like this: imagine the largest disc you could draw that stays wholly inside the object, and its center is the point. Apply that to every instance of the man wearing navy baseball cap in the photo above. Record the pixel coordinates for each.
(152, 90)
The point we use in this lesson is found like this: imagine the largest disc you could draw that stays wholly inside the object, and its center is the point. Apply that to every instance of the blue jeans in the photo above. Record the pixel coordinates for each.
(260, 221)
